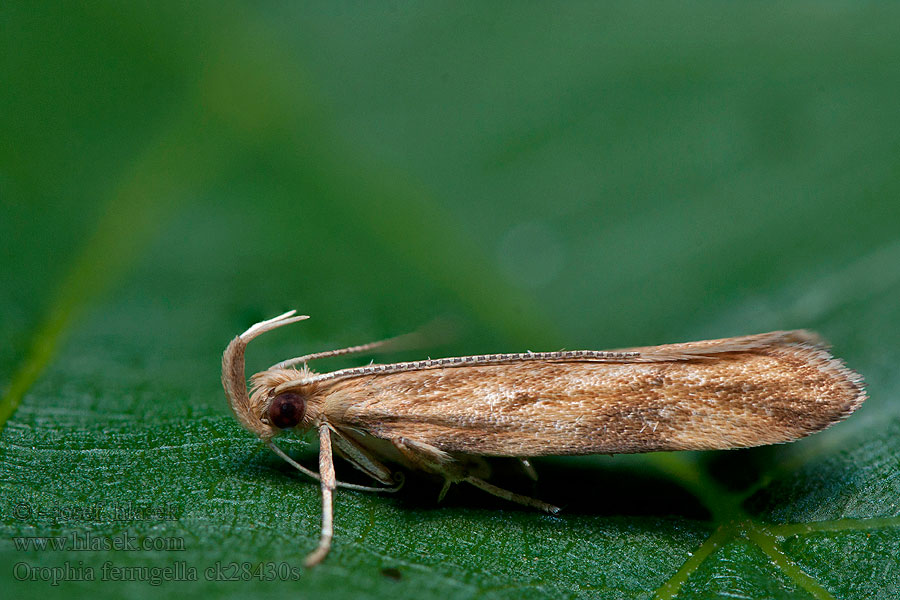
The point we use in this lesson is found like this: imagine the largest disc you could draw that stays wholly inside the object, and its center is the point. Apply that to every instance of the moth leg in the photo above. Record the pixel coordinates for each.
(465, 465)
(361, 458)
(326, 472)
(512, 496)
(528, 468)
(425, 456)
(433, 460)
(444, 489)
(437, 461)
(314, 475)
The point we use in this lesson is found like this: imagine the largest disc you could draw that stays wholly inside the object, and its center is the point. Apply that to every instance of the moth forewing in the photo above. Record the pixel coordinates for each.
(441, 415)
(769, 394)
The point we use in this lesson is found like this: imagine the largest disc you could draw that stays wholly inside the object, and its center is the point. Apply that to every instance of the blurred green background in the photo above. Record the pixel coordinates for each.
(572, 175)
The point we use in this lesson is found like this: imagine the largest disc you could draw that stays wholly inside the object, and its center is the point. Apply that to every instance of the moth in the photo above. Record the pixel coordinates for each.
(444, 415)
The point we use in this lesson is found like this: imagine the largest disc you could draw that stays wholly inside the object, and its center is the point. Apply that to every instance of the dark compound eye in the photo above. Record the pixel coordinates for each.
(287, 410)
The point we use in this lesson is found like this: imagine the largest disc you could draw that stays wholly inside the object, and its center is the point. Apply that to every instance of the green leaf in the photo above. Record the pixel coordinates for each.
(578, 176)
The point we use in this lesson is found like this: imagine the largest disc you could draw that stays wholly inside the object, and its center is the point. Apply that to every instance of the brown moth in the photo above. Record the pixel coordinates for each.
(443, 415)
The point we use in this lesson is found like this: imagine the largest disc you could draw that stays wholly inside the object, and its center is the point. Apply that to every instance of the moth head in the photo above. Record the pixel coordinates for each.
(252, 410)
(277, 408)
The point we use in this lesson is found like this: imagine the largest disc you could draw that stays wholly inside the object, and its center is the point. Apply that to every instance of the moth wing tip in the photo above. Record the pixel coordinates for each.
(807, 337)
